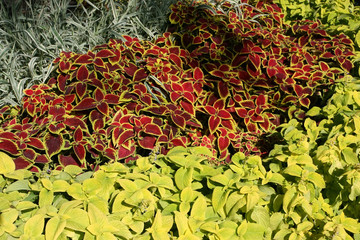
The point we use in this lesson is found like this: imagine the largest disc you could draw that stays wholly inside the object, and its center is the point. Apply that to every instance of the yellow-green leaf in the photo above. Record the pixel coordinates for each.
(199, 208)
(316, 179)
(181, 222)
(60, 186)
(54, 228)
(7, 165)
(34, 227)
(78, 219)
(219, 198)
(46, 197)
(75, 190)
(183, 177)
(91, 186)
(293, 170)
(47, 183)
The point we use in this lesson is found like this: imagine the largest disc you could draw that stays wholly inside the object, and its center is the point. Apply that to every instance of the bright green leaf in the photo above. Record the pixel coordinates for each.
(54, 228)
(183, 177)
(293, 170)
(199, 208)
(304, 226)
(181, 222)
(34, 227)
(219, 197)
(350, 156)
(46, 197)
(261, 216)
(60, 186)
(316, 179)
(7, 165)
(75, 190)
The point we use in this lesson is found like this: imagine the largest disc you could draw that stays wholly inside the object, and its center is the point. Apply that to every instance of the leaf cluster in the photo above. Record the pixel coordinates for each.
(219, 78)
(182, 195)
(33, 33)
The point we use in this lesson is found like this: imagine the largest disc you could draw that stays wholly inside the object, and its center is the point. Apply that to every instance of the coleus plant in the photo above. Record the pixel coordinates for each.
(223, 76)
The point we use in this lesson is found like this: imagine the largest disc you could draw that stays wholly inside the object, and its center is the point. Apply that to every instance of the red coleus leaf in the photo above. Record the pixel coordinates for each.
(68, 160)
(224, 114)
(81, 89)
(252, 127)
(42, 159)
(176, 59)
(147, 142)
(124, 136)
(139, 75)
(179, 141)
(324, 66)
(82, 73)
(265, 125)
(214, 122)
(73, 122)
(29, 92)
(327, 55)
(223, 90)
(238, 60)
(56, 128)
(158, 110)
(210, 109)
(305, 102)
(84, 59)
(8, 136)
(261, 100)
(130, 69)
(256, 60)
(80, 152)
(103, 107)
(9, 146)
(298, 90)
(29, 154)
(188, 107)
(289, 99)
(69, 98)
(257, 118)
(152, 129)
(217, 39)
(112, 99)
(98, 95)
(219, 104)
(105, 53)
(241, 112)
(223, 143)
(21, 163)
(248, 104)
(116, 58)
(347, 65)
(78, 135)
(198, 74)
(53, 144)
(99, 62)
(64, 66)
(124, 152)
(218, 73)
(178, 120)
(35, 143)
(86, 103)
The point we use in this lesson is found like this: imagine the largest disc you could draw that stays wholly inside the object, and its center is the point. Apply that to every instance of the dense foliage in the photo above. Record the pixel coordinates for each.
(218, 78)
(307, 188)
(210, 90)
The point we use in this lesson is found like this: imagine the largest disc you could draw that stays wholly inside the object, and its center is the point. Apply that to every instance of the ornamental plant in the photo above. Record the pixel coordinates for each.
(222, 77)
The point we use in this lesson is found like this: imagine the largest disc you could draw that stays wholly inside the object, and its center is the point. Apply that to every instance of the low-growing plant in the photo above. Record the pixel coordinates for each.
(183, 196)
(222, 77)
